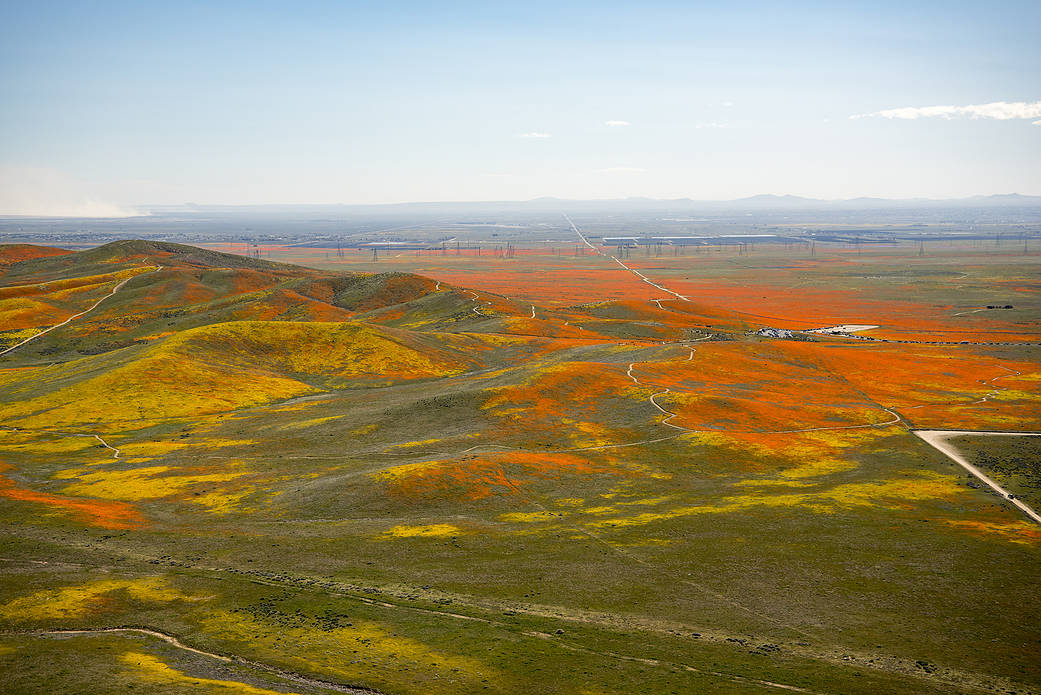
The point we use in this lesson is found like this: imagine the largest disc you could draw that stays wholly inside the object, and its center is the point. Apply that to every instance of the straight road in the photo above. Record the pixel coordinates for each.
(938, 440)
(637, 273)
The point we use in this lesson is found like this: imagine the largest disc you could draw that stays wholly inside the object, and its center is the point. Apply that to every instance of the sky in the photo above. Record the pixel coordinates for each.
(110, 107)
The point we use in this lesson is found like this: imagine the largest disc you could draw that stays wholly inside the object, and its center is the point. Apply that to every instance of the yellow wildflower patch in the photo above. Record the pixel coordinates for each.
(222, 502)
(407, 469)
(153, 670)
(77, 601)
(436, 530)
(651, 501)
(409, 445)
(152, 449)
(773, 482)
(1014, 395)
(61, 445)
(148, 450)
(888, 494)
(525, 517)
(304, 424)
(372, 650)
(8, 338)
(142, 483)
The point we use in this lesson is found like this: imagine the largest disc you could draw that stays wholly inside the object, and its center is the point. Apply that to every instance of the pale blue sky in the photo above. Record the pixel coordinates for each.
(126, 104)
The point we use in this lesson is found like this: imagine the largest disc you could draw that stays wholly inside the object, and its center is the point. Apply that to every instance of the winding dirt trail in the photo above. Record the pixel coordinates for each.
(999, 389)
(107, 446)
(896, 419)
(64, 433)
(478, 303)
(173, 641)
(96, 304)
(938, 439)
(670, 414)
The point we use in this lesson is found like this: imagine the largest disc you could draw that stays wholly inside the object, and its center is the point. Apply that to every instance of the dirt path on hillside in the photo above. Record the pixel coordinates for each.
(96, 304)
(938, 440)
(896, 419)
(171, 640)
(107, 445)
(477, 302)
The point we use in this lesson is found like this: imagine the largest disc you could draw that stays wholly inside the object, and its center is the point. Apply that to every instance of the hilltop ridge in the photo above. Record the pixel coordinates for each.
(130, 252)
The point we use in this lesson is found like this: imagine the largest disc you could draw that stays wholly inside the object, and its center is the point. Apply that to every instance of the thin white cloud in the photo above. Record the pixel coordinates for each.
(700, 126)
(617, 124)
(534, 135)
(728, 104)
(998, 110)
(622, 170)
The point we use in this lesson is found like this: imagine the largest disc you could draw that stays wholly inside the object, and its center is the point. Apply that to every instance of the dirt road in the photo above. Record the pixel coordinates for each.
(96, 304)
(938, 440)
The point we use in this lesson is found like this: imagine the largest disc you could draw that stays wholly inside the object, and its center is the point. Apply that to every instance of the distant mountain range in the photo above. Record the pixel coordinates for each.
(764, 203)
(794, 201)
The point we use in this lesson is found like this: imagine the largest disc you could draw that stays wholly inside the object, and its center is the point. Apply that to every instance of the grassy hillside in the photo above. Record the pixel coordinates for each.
(11, 254)
(385, 482)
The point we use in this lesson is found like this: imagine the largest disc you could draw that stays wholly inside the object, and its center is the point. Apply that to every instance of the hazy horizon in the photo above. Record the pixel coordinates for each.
(119, 107)
(763, 201)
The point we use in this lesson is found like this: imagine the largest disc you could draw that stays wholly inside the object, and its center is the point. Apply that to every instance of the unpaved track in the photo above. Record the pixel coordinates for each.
(997, 390)
(477, 302)
(671, 414)
(170, 639)
(107, 446)
(96, 304)
(64, 433)
(938, 440)
(635, 272)
(667, 412)
(896, 419)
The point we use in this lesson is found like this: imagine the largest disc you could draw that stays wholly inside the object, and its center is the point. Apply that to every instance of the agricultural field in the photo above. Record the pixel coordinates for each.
(553, 470)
